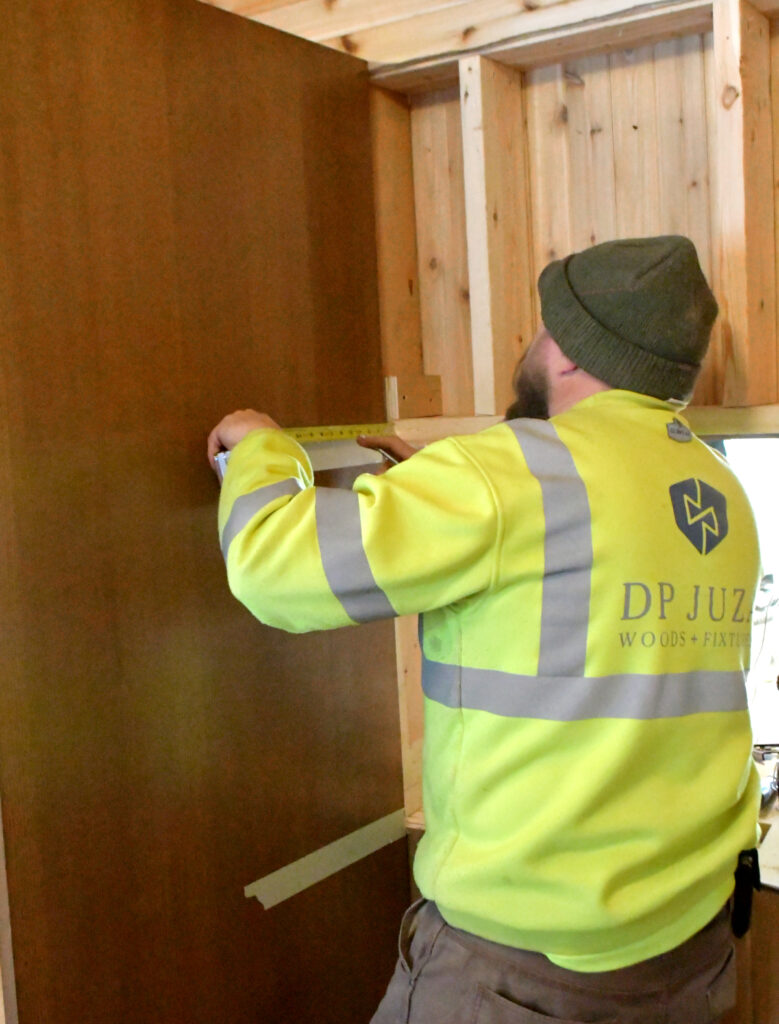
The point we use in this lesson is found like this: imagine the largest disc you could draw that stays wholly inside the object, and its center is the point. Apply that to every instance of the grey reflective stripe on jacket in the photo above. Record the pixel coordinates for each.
(567, 699)
(560, 691)
(343, 557)
(248, 505)
(565, 609)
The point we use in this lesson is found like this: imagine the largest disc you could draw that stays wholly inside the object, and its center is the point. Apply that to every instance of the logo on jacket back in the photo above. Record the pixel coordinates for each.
(701, 513)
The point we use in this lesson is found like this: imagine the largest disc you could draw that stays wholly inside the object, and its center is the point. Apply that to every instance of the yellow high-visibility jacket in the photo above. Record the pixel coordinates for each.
(587, 585)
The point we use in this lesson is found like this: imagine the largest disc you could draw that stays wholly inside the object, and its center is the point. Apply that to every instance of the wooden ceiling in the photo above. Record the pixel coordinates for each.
(410, 32)
(391, 31)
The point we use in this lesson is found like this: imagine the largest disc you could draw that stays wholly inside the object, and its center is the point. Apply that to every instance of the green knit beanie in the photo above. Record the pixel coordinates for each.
(635, 313)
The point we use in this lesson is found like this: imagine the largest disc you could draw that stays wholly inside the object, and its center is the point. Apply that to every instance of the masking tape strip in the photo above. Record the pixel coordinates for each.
(303, 873)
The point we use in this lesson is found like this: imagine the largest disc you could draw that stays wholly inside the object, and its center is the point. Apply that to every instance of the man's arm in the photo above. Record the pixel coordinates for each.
(300, 558)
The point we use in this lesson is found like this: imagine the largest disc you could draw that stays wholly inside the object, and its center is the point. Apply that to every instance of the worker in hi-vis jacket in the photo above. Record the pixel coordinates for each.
(585, 572)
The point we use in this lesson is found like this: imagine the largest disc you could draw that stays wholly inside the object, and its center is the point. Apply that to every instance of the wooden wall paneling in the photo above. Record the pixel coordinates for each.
(550, 182)
(690, 55)
(436, 133)
(497, 205)
(671, 135)
(745, 204)
(413, 393)
(591, 151)
(685, 150)
(635, 142)
(182, 194)
(673, 132)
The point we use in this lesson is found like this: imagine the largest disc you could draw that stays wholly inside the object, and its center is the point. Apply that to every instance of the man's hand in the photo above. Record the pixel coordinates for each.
(234, 428)
(394, 446)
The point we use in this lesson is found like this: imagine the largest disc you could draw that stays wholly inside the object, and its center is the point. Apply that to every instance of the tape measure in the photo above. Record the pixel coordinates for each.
(332, 455)
(309, 435)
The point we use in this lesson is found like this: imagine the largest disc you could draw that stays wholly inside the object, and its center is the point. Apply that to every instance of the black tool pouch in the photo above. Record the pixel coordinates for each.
(747, 879)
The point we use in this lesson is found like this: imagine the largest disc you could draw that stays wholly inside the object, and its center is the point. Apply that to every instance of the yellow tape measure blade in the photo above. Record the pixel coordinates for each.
(347, 432)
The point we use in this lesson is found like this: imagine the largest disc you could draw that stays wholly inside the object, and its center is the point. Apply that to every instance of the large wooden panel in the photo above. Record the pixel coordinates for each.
(186, 227)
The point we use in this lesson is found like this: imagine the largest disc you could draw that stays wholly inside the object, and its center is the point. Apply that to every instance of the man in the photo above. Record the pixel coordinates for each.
(585, 571)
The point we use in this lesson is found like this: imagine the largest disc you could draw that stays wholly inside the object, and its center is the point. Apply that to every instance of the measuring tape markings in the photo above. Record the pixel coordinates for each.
(346, 432)
(332, 447)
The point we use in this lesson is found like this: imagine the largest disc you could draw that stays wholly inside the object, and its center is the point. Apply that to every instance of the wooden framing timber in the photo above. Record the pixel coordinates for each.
(436, 131)
(406, 31)
(715, 421)
(497, 210)
(744, 205)
(580, 28)
(408, 390)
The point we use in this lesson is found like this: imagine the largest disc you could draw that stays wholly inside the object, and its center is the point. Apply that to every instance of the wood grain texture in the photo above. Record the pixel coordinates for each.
(636, 153)
(399, 30)
(745, 204)
(547, 113)
(457, 28)
(409, 659)
(396, 246)
(498, 222)
(591, 151)
(623, 146)
(436, 133)
(182, 195)
(569, 39)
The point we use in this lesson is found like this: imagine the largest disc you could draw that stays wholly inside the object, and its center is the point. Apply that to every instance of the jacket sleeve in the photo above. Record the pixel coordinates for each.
(420, 536)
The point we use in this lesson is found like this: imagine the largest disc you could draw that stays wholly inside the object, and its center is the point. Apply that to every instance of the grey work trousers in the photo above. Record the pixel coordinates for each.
(447, 976)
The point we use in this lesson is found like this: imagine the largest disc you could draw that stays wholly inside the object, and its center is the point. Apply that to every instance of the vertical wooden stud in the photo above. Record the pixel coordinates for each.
(774, 33)
(436, 135)
(710, 385)
(413, 393)
(744, 205)
(498, 226)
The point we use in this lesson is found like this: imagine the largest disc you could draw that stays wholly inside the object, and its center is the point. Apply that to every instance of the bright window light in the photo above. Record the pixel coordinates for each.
(755, 460)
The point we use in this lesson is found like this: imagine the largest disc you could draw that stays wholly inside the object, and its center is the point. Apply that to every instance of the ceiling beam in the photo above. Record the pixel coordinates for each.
(580, 28)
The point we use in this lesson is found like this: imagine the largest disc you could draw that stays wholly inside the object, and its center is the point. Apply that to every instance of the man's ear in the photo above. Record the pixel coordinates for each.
(559, 363)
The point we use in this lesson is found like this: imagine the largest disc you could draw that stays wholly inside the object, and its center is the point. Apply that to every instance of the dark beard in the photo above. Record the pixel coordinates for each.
(532, 401)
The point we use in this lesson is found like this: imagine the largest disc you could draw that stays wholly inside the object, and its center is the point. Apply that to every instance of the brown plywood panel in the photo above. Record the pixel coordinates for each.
(187, 228)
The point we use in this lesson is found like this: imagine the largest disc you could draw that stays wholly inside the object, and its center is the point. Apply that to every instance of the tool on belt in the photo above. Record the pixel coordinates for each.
(747, 880)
